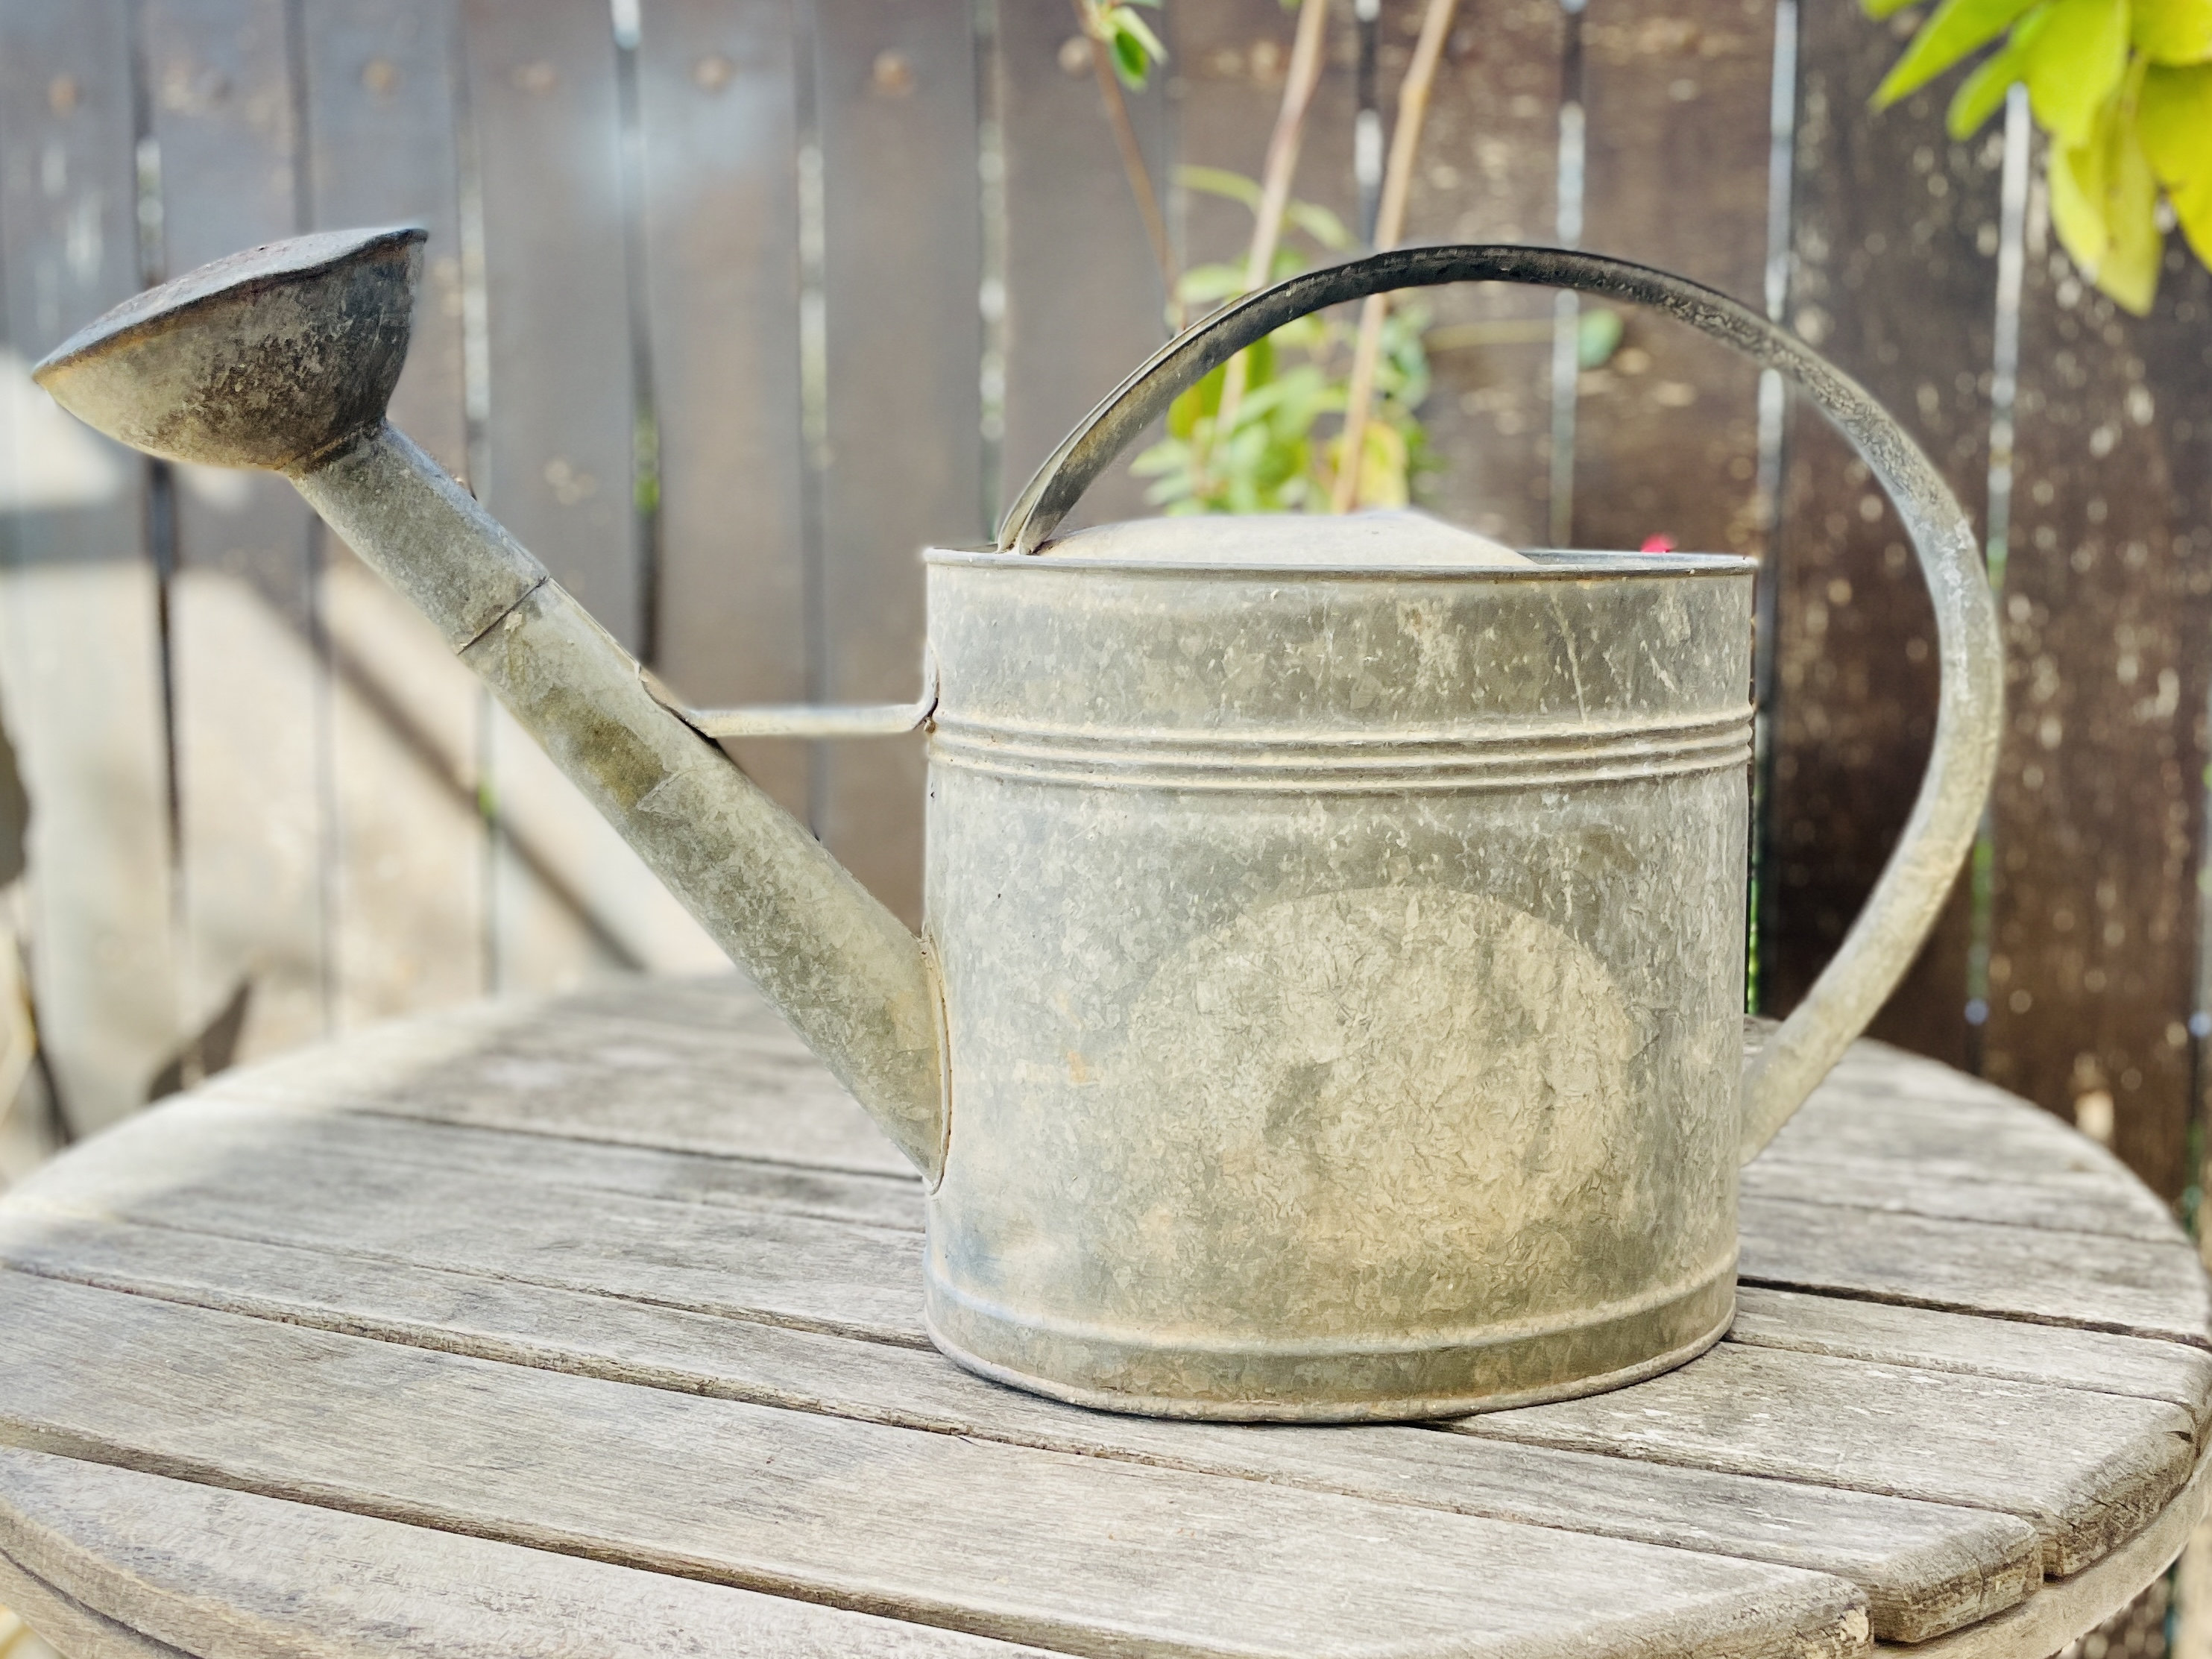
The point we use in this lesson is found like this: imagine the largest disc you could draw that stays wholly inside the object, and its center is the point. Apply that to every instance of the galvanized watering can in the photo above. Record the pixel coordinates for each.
(1328, 1005)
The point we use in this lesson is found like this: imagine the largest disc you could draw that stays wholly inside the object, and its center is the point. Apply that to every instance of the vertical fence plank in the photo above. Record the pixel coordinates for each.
(249, 726)
(901, 267)
(1894, 277)
(1085, 299)
(718, 101)
(2108, 609)
(569, 899)
(381, 100)
(1677, 101)
(80, 641)
(542, 92)
(1489, 173)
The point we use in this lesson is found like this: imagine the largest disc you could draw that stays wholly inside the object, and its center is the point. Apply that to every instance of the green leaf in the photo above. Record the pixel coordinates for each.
(1877, 9)
(1129, 60)
(1128, 26)
(1982, 93)
(1958, 27)
(1598, 336)
(1318, 222)
(2103, 206)
(2077, 176)
(2173, 121)
(2192, 206)
(2174, 118)
(1207, 285)
(1220, 181)
(2173, 31)
(2074, 65)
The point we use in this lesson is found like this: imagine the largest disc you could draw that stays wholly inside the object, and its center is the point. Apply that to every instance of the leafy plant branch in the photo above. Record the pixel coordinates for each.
(2123, 90)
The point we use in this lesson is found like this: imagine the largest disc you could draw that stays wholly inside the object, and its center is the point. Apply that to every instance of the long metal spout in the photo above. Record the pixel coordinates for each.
(284, 357)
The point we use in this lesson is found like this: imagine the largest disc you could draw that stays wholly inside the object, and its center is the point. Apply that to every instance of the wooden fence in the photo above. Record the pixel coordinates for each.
(734, 304)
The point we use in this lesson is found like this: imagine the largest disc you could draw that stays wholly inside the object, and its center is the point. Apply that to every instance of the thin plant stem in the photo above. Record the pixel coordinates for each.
(1282, 164)
(1389, 225)
(1133, 162)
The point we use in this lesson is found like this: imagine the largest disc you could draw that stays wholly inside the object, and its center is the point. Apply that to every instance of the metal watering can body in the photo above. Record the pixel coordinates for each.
(1329, 1000)
(1343, 968)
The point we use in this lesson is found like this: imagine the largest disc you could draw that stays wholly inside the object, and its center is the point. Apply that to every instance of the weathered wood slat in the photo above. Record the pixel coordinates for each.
(1890, 1336)
(381, 98)
(718, 93)
(68, 1625)
(812, 1273)
(2077, 1202)
(901, 269)
(215, 1571)
(767, 1264)
(256, 837)
(1666, 440)
(1925, 1569)
(80, 670)
(2097, 812)
(2049, 1620)
(752, 1091)
(1093, 1557)
(2119, 1285)
(1894, 275)
(2022, 1447)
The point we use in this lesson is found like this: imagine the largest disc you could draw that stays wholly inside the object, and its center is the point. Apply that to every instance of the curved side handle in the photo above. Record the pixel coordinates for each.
(1904, 902)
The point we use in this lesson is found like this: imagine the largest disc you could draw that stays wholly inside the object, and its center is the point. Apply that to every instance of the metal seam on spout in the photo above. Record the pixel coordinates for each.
(522, 600)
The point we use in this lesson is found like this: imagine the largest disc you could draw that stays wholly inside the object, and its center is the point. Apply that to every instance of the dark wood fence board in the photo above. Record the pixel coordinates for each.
(561, 442)
(2098, 805)
(902, 264)
(718, 93)
(82, 655)
(1894, 277)
(1677, 101)
(381, 98)
(1489, 173)
(254, 829)
(1084, 300)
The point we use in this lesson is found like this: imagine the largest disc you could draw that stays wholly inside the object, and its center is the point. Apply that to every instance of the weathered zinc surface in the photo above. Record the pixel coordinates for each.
(398, 1350)
(1327, 1000)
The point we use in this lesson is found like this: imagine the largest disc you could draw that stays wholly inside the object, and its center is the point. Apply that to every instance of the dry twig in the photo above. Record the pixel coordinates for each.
(1389, 225)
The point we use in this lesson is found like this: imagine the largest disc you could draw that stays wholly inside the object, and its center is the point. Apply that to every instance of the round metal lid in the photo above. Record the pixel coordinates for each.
(1293, 540)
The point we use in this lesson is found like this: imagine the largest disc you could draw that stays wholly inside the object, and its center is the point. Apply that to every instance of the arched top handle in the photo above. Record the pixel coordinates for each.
(1912, 888)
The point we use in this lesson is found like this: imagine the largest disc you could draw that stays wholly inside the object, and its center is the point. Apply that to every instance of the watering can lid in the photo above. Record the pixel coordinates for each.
(1298, 540)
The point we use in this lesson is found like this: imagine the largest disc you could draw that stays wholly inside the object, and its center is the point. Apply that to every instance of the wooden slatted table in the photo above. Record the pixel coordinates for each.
(591, 1326)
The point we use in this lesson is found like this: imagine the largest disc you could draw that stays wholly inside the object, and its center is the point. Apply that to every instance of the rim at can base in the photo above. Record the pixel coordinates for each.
(1352, 1385)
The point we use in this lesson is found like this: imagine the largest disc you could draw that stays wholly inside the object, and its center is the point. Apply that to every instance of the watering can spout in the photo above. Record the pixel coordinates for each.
(283, 358)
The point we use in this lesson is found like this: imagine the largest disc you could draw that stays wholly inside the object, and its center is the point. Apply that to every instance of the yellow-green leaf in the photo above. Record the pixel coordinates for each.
(2173, 31)
(1879, 9)
(1958, 27)
(2174, 116)
(2173, 119)
(1982, 93)
(2103, 206)
(2130, 272)
(2192, 206)
(2074, 65)
(2077, 174)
